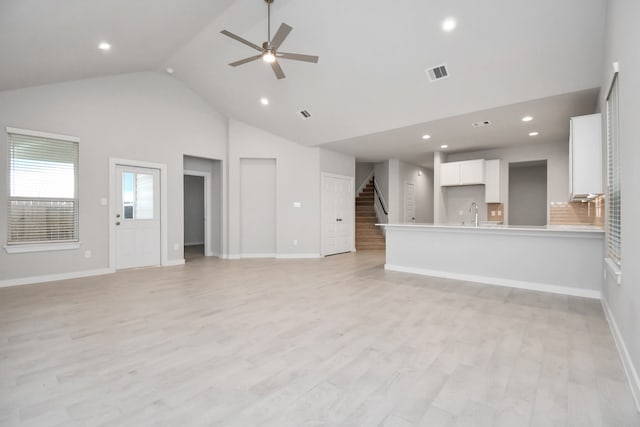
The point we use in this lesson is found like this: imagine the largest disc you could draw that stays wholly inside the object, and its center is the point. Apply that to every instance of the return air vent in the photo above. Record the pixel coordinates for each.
(305, 114)
(438, 73)
(481, 123)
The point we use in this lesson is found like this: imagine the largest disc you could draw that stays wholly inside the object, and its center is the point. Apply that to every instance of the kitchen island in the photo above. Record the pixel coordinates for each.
(559, 259)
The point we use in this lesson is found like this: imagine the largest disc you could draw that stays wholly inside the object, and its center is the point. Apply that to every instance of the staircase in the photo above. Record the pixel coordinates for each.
(368, 236)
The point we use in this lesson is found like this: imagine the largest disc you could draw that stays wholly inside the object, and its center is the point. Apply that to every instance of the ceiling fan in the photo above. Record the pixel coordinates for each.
(269, 50)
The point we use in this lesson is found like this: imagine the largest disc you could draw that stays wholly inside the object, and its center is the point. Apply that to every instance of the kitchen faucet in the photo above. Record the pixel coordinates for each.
(474, 209)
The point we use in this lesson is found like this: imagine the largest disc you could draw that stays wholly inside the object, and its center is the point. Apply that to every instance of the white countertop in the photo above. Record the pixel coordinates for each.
(501, 227)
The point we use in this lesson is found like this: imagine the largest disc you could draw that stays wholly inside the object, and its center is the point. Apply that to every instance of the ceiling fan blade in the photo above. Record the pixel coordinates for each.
(241, 40)
(276, 69)
(245, 60)
(281, 34)
(298, 57)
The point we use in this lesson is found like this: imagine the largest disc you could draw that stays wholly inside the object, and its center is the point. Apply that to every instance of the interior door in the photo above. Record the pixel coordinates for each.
(137, 217)
(409, 202)
(337, 217)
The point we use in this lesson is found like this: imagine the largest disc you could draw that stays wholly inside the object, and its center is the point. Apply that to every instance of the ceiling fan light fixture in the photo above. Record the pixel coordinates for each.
(268, 57)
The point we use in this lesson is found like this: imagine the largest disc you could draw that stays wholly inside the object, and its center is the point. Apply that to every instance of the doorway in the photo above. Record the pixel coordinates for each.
(409, 202)
(202, 207)
(337, 200)
(194, 216)
(528, 193)
(136, 217)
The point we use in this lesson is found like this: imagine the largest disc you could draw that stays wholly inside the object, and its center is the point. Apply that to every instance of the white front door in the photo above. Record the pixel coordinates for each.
(137, 216)
(409, 202)
(337, 214)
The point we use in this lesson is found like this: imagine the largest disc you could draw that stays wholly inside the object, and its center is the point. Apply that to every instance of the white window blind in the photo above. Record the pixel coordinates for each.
(613, 175)
(43, 188)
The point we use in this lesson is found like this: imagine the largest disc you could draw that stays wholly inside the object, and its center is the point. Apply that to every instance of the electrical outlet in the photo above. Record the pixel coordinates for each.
(499, 213)
(460, 212)
(493, 213)
(176, 246)
(87, 254)
(295, 242)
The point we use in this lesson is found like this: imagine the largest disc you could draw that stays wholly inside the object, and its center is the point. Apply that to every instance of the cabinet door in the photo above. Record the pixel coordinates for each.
(492, 181)
(450, 174)
(472, 172)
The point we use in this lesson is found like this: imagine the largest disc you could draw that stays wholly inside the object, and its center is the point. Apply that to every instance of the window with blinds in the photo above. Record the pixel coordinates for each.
(43, 188)
(613, 175)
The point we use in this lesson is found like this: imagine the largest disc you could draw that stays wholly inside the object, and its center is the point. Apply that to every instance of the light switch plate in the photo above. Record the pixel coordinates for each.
(297, 204)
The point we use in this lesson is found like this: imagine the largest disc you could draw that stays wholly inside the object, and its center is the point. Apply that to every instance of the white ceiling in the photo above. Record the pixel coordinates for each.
(51, 41)
(370, 79)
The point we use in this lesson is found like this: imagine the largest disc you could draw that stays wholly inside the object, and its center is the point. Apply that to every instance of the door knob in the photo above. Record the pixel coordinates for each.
(118, 215)
(117, 222)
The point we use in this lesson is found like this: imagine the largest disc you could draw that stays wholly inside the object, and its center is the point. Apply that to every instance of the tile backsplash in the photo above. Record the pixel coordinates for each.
(582, 213)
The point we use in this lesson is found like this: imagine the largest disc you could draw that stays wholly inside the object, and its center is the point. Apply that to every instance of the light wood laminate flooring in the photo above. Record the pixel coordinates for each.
(329, 342)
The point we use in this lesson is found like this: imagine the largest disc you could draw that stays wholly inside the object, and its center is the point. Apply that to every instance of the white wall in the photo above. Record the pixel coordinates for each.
(381, 173)
(556, 155)
(423, 190)
(194, 214)
(623, 33)
(216, 197)
(458, 201)
(363, 170)
(297, 180)
(142, 116)
(337, 163)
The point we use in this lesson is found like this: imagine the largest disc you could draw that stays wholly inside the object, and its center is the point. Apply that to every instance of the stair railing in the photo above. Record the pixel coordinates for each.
(379, 205)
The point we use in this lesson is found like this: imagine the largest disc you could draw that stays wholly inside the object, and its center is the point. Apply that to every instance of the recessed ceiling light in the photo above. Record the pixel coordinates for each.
(170, 70)
(426, 136)
(449, 24)
(444, 146)
(264, 101)
(104, 46)
(527, 118)
(533, 133)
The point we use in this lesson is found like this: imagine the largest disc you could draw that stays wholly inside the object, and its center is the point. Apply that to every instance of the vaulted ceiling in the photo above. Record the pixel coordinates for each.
(370, 83)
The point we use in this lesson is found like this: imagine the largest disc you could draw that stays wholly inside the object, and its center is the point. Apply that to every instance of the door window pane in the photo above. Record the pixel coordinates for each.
(137, 195)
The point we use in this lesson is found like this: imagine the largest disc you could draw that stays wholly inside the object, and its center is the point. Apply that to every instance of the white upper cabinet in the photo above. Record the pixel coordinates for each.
(585, 156)
(492, 181)
(450, 174)
(472, 172)
(468, 172)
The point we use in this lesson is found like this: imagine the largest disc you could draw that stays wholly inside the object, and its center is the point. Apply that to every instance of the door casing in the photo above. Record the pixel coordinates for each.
(113, 162)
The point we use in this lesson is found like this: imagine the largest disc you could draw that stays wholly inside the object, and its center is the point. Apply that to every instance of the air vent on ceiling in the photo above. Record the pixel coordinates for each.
(481, 123)
(305, 114)
(438, 73)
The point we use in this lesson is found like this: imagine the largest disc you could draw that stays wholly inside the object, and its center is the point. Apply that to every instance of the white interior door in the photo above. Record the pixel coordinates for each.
(257, 207)
(137, 216)
(337, 217)
(409, 202)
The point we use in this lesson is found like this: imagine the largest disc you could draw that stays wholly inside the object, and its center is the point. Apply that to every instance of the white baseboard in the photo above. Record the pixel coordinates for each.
(258, 255)
(533, 286)
(193, 243)
(54, 277)
(298, 256)
(172, 262)
(213, 254)
(630, 370)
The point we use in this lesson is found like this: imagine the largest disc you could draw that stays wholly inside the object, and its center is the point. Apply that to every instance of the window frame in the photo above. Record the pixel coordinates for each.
(613, 257)
(41, 246)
